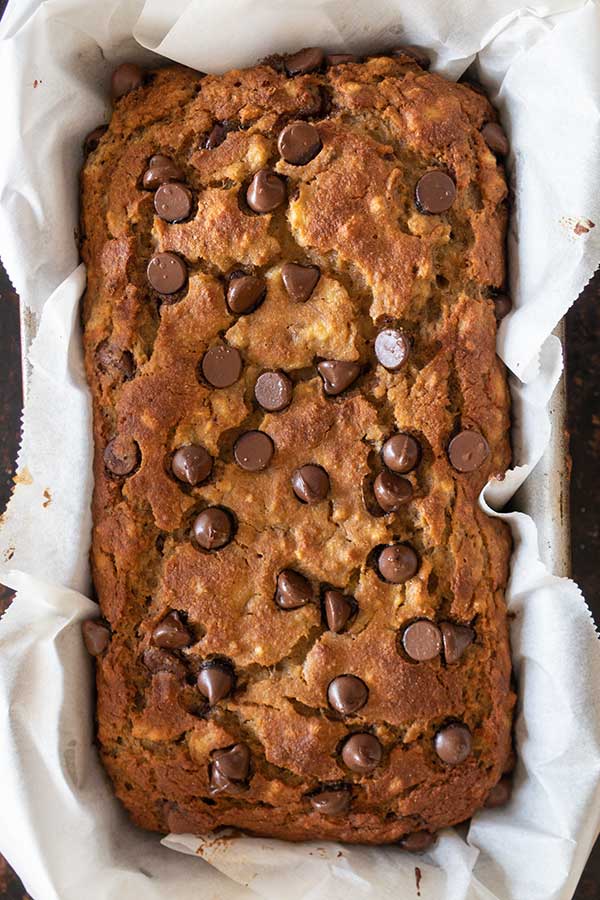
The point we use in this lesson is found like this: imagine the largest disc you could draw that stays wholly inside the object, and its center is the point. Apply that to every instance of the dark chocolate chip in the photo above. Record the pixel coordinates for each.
(273, 391)
(114, 361)
(266, 192)
(157, 660)
(293, 590)
(415, 53)
(422, 640)
(218, 134)
(161, 169)
(468, 451)
(332, 802)
(499, 795)
(171, 633)
(213, 528)
(453, 744)
(222, 365)
(125, 78)
(215, 681)
(391, 348)
(456, 639)
(253, 451)
(121, 455)
(401, 452)
(173, 201)
(245, 293)
(392, 491)
(337, 59)
(347, 694)
(299, 281)
(230, 767)
(96, 636)
(362, 752)
(418, 841)
(191, 464)
(398, 563)
(307, 60)
(338, 610)
(310, 483)
(435, 192)
(167, 273)
(337, 375)
(92, 140)
(298, 143)
(494, 136)
(219, 783)
(502, 306)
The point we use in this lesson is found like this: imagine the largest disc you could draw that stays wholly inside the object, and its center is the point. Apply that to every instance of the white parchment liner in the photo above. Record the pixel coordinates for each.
(60, 826)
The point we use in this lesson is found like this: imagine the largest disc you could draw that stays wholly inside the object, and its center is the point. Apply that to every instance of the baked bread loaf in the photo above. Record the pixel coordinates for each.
(293, 272)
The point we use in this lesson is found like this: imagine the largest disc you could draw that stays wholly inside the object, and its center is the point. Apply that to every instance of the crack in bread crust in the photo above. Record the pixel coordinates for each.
(351, 212)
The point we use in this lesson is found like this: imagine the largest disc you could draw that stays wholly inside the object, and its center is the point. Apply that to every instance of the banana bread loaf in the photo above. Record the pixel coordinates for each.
(294, 274)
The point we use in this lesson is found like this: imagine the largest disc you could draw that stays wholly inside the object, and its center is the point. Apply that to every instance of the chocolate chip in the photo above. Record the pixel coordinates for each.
(418, 841)
(121, 455)
(453, 744)
(157, 660)
(331, 802)
(456, 639)
(401, 452)
(171, 633)
(337, 59)
(392, 491)
(219, 783)
(191, 464)
(273, 391)
(91, 141)
(499, 795)
(494, 136)
(468, 451)
(213, 528)
(337, 375)
(398, 563)
(253, 451)
(266, 192)
(362, 752)
(218, 134)
(299, 281)
(96, 636)
(293, 590)
(338, 610)
(126, 77)
(502, 306)
(173, 201)
(230, 767)
(298, 143)
(215, 681)
(161, 169)
(415, 53)
(222, 365)
(307, 60)
(391, 348)
(435, 192)
(114, 361)
(422, 640)
(167, 273)
(310, 483)
(245, 293)
(347, 694)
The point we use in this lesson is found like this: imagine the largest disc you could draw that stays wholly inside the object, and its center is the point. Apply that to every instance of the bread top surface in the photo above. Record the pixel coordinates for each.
(383, 264)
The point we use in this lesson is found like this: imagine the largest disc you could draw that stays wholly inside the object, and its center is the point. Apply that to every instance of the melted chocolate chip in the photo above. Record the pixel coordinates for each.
(435, 192)
(167, 273)
(96, 636)
(453, 744)
(331, 802)
(245, 293)
(398, 563)
(171, 633)
(362, 752)
(502, 306)
(401, 452)
(298, 143)
(337, 375)
(468, 451)
(418, 841)
(191, 464)
(222, 366)
(253, 451)
(121, 455)
(422, 640)
(125, 78)
(157, 660)
(347, 694)
(114, 361)
(499, 795)
(161, 169)
(215, 681)
(456, 639)
(338, 610)
(266, 192)
(293, 590)
(230, 767)
(299, 281)
(218, 134)
(92, 140)
(392, 491)
(494, 136)
(219, 783)
(307, 60)
(391, 348)
(310, 483)
(173, 201)
(338, 59)
(273, 391)
(213, 528)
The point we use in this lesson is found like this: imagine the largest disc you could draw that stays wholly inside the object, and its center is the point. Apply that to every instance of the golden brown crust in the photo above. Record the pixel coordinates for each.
(350, 211)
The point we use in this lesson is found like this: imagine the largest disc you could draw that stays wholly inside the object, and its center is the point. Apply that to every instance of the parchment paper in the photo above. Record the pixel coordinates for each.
(59, 823)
